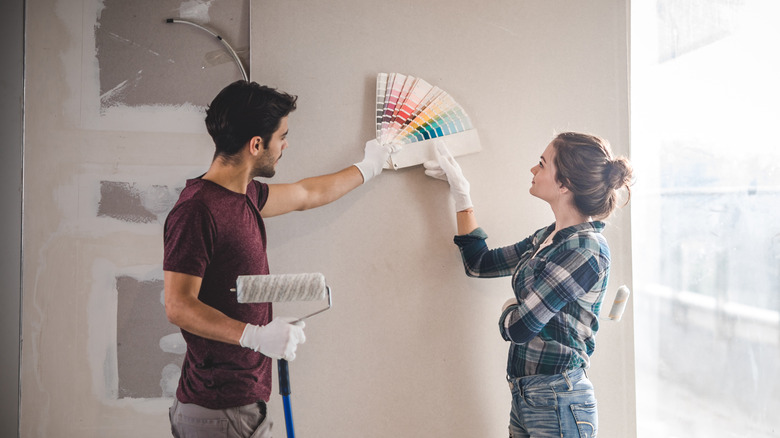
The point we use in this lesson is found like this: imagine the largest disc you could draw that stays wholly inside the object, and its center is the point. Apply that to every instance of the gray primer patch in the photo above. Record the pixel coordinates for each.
(145, 370)
(145, 61)
(131, 202)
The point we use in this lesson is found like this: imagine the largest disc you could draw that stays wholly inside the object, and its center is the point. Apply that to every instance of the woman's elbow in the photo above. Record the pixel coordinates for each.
(471, 272)
(520, 335)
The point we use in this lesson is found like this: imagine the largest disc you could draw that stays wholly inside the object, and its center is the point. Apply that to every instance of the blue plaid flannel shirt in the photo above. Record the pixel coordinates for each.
(559, 291)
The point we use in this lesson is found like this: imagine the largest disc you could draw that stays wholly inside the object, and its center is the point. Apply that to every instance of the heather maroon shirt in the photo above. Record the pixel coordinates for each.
(218, 234)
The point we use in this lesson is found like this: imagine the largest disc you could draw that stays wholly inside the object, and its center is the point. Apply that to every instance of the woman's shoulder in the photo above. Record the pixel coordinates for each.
(586, 238)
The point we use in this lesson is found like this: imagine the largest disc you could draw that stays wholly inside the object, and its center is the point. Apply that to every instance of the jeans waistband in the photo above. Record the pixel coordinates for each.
(562, 381)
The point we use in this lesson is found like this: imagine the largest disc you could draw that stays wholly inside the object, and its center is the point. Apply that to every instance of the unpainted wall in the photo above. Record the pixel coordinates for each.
(411, 347)
(115, 106)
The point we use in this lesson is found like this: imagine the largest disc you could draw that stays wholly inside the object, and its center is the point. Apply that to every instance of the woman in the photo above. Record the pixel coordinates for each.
(559, 276)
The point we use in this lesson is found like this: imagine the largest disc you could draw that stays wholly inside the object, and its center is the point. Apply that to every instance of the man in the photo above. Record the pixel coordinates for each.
(214, 233)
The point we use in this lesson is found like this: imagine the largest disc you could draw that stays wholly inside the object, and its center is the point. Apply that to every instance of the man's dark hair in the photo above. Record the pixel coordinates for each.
(243, 110)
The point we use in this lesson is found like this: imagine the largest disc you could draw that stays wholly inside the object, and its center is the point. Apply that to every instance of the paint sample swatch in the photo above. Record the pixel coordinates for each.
(411, 113)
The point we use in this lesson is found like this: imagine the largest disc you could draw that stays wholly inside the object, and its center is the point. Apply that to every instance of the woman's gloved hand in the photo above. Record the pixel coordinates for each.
(446, 168)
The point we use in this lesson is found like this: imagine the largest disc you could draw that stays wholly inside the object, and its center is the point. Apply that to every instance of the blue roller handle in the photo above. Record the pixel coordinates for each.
(284, 390)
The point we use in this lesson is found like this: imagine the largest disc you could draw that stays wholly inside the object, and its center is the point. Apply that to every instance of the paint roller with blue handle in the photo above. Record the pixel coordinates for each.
(283, 288)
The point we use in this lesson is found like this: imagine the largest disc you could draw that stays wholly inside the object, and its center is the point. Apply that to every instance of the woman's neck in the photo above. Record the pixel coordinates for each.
(567, 216)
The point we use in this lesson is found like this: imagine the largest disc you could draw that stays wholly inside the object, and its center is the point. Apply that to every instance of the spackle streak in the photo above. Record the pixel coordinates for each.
(118, 93)
(131, 43)
(37, 324)
(109, 95)
(196, 10)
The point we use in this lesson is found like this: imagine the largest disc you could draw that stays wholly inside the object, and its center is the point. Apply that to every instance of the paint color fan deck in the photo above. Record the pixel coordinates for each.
(413, 114)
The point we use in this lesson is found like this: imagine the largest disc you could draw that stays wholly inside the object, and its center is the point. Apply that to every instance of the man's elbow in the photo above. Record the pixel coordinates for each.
(174, 312)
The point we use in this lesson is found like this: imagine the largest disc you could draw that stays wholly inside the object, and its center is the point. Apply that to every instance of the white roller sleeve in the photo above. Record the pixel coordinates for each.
(619, 305)
(280, 287)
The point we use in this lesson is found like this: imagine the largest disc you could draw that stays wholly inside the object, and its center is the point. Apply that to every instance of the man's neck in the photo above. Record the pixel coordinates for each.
(232, 177)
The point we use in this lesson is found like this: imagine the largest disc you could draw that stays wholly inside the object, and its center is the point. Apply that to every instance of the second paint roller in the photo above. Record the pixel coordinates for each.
(283, 288)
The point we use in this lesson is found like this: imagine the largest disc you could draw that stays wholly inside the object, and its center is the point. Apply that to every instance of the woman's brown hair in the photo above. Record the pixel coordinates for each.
(586, 167)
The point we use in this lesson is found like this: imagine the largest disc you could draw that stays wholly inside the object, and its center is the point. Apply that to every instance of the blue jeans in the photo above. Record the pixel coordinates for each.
(547, 406)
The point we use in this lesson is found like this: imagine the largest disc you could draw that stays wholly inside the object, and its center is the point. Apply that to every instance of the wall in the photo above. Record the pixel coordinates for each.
(114, 126)
(411, 346)
(11, 92)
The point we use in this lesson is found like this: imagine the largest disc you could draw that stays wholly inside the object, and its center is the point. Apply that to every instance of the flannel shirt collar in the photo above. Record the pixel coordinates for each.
(592, 226)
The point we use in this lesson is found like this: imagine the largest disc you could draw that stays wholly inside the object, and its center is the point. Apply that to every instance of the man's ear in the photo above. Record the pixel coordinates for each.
(255, 145)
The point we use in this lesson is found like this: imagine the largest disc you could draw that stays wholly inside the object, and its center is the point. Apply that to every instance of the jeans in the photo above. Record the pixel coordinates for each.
(193, 421)
(547, 406)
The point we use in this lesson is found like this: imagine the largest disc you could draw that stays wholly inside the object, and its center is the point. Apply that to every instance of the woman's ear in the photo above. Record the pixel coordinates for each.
(562, 187)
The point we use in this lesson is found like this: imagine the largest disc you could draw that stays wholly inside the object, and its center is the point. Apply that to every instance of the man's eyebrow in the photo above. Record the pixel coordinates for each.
(543, 159)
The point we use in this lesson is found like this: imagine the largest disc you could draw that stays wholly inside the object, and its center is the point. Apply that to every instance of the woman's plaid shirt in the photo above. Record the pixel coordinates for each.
(559, 292)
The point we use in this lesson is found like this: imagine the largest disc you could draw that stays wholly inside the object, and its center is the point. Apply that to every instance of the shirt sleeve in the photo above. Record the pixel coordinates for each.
(188, 239)
(557, 281)
(479, 261)
(262, 193)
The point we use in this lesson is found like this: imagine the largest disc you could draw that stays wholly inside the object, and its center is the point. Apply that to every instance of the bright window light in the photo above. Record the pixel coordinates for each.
(705, 92)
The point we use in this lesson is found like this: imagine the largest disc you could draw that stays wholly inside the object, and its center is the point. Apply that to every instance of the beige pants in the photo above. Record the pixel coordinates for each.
(193, 421)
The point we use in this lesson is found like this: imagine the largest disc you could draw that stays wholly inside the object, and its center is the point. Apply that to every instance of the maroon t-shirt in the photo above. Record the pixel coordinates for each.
(217, 234)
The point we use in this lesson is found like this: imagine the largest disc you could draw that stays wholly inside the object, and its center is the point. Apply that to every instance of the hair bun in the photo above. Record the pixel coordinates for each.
(619, 173)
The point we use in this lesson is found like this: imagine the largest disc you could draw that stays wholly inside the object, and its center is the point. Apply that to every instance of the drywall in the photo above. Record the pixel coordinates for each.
(411, 346)
(140, 60)
(115, 104)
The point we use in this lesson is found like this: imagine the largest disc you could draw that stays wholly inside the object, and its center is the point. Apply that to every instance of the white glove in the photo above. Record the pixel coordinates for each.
(278, 339)
(376, 156)
(447, 169)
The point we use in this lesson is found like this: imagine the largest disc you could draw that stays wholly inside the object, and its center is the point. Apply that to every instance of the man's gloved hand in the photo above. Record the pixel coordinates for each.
(278, 339)
(447, 169)
(376, 156)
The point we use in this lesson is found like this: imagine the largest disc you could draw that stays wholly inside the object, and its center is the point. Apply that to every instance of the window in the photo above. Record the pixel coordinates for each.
(705, 90)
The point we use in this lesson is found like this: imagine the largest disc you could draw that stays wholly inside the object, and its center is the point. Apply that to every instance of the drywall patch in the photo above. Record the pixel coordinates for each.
(146, 367)
(145, 62)
(134, 352)
(132, 202)
(111, 198)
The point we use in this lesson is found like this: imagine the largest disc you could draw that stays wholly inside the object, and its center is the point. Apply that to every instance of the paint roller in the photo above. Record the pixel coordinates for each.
(283, 288)
(619, 303)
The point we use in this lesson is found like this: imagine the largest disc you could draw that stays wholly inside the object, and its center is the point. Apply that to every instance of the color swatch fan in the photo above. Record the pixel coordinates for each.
(412, 114)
